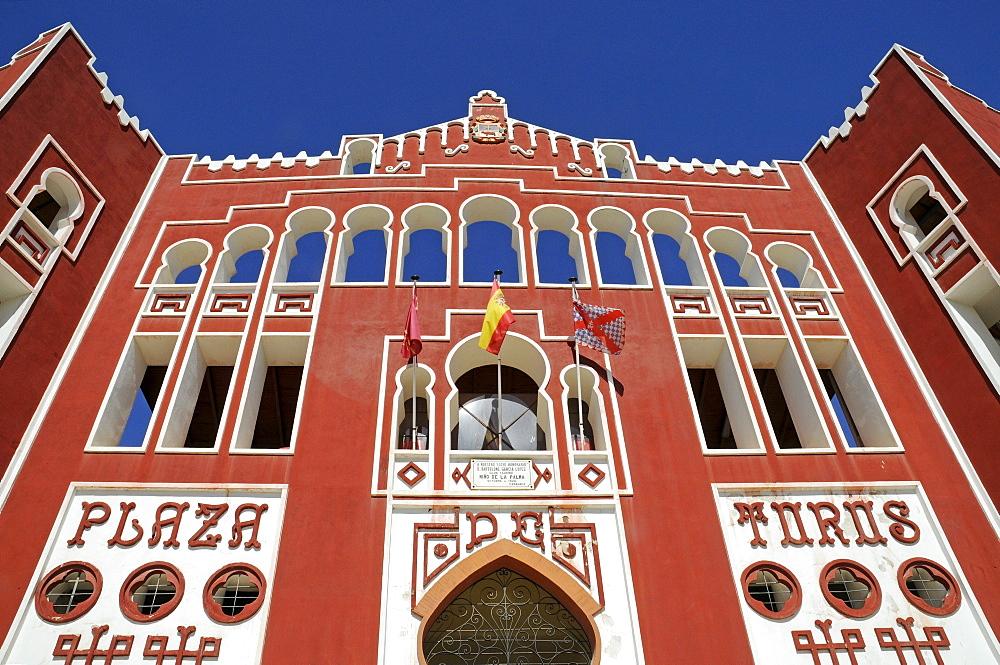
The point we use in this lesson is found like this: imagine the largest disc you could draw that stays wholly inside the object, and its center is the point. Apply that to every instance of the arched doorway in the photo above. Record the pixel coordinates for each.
(505, 618)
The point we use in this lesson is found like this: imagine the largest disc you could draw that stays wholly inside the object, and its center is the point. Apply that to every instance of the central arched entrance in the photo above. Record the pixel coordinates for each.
(504, 618)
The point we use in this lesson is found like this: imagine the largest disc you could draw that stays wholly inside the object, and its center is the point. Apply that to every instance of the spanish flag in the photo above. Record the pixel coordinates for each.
(497, 321)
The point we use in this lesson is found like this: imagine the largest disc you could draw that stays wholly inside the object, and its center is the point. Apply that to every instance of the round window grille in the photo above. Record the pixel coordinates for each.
(151, 592)
(234, 593)
(771, 590)
(506, 618)
(850, 588)
(68, 592)
(929, 587)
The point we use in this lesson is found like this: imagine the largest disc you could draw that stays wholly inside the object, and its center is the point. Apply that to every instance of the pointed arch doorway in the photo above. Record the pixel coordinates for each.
(506, 604)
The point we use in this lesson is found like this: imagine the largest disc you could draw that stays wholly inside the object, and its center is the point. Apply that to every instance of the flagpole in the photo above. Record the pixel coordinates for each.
(496, 275)
(579, 388)
(413, 371)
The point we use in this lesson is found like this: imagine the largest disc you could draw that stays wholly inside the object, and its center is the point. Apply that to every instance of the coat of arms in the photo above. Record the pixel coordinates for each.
(488, 129)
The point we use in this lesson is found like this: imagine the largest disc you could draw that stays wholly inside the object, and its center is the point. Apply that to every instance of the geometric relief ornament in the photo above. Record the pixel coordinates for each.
(809, 306)
(240, 302)
(748, 304)
(592, 475)
(541, 473)
(572, 545)
(437, 543)
(175, 302)
(690, 304)
(411, 474)
(944, 248)
(285, 302)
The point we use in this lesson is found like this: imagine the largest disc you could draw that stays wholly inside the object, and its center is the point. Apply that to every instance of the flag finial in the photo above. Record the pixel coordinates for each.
(414, 278)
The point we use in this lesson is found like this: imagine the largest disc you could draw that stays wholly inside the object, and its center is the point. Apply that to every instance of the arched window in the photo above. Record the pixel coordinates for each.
(620, 260)
(364, 243)
(793, 266)
(736, 264)
(359, 157)
(492, 420)
(413, 434)
(505, 617)
(616, 161)
(303, 246)
(675, 249)
(558, 246)
(57, 204)
(243, 259)
(183, 263)
(594, 435)
(491, 240)
(425, 243)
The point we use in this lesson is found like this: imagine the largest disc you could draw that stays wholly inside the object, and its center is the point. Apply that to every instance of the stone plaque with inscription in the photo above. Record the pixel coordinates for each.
(513, 474)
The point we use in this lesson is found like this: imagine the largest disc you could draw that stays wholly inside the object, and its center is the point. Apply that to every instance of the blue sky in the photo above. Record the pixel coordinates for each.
(707, 80)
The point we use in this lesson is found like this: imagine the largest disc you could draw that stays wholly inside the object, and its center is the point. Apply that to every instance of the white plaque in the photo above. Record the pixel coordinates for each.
(508, 474)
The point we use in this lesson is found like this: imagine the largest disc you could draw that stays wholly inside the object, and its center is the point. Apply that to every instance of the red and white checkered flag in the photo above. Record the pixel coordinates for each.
(600, 328)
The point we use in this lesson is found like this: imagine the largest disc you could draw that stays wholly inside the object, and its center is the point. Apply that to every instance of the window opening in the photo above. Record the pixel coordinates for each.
(407, 440)
(142, 406)
(488, 248)
(72, 591)
(555, 263)
(616, 267)
(307, 264)
(839, 405)
(238, 592)
(367, 262)
(278, 405)
(189, 275)
(248, 267)
(208, 408)
(923, 585)
(712, 413)
(45, 209)
(426, 256)
(769, 591)
(478, 425)
(668, 254)
(928, 213)
(154, 593)
(788, 279)
(362, 168)
(586, 441)
(506, 618)
(844, 586)
(613, 172)
(729, 270)
(777, 408)
(929, 587)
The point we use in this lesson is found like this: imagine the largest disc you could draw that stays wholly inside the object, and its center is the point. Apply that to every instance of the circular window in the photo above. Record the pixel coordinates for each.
(67, 592)
(850, 588)
(234, 593)
(771, 590)
(151, 592)
(929, 587)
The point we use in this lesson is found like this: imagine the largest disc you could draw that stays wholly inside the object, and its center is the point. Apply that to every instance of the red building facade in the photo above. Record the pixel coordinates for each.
(231, 461)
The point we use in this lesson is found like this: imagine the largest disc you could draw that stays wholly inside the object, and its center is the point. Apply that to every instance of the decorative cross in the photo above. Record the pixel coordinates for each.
(178, 655)
(853, 641)
(935, 639)
(69, 646)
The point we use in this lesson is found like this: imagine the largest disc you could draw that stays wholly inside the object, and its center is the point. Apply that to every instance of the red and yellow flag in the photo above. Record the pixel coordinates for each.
(498, 319)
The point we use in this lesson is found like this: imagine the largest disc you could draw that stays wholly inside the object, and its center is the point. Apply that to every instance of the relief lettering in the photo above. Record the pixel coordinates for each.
(780, 508)
(87, 521)
(161, 523)
(876, 538)
(254, 524)
(753, 513)
(900, 521)
(214, 512)
(832, 521)
(117, 540)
